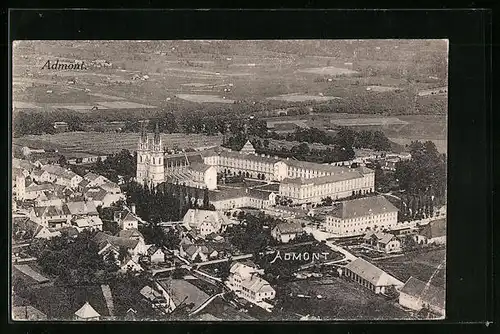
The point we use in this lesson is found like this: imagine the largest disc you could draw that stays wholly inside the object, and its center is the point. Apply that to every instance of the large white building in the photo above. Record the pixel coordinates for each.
(356, 217)
(302, 182)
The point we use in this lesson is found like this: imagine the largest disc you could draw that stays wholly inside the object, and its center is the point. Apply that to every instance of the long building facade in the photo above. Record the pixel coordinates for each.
(301, 182)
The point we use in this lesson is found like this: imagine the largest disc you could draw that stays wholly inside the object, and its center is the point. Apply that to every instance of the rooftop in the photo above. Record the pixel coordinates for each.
(361, 207)
(371, 273)
(429, 294)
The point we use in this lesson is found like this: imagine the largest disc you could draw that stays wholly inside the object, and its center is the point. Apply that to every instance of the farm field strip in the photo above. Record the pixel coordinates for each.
(368, 121)
(294, 97)
(328, 70)
(203, 98)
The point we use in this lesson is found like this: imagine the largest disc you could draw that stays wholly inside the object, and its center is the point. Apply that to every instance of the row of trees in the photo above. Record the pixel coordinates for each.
(166, 202)
(425, 173)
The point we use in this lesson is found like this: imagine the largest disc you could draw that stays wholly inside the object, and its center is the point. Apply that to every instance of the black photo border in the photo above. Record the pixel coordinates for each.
(469, 304)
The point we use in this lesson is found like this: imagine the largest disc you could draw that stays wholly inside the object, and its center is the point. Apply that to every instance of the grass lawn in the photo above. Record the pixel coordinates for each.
(342, 300)
(421, 264)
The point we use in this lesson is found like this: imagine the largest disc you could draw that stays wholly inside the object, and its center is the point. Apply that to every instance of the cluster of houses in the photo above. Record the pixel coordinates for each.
(48, 198)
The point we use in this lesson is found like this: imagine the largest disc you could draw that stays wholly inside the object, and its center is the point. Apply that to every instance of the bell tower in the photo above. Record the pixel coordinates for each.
(142, 156)
(156, 162)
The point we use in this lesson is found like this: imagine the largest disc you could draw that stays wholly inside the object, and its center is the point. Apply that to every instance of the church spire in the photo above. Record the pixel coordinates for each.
(157, 134)
(144, 135)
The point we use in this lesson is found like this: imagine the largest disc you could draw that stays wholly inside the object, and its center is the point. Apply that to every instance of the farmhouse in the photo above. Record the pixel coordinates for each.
(35, 190)
(384, 242)
(434, 232)
(356, 217)
(370, 276)
(246, 283)
(51, 216)
(416, 295)
(205, 222)
(285, 232)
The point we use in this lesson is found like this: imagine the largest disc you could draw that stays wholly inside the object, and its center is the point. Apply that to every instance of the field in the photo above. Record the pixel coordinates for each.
(106, 143)
(294, 97)
(342, 299)
(379, 121)
(441, 145)
(381, 89)
(203, 98)
(421, 265)
(328, 70)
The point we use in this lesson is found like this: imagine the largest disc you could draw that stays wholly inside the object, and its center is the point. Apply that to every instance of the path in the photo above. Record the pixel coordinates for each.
(202, 306)
(106, 292)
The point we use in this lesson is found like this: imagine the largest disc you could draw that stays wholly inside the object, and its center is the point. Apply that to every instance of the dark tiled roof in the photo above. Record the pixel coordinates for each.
(289, 228)
(429, 294)
(362, 207)
(435, 229)
(102, 238)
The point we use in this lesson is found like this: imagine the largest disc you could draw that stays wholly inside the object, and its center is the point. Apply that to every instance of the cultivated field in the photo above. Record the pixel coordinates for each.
(328, 70)
(204, 98)
(341, 299)
(106, 143)
(421, 265)
(381, 89)
(295, 97)
(377, 121)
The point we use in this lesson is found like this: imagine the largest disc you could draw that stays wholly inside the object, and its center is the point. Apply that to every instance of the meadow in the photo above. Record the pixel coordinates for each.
(107, 143)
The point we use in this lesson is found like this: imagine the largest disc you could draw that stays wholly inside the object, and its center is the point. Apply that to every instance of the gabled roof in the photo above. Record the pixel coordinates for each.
(87, 312)
(371, 273)
(96, 193)
(101, 239)
(131, 233)
(27, 313)
(82, 208)
(381, 237)
(153, 249)
(199, 167)
(130, 217)
(361, 207)
(91, 176)
(259, 194)
(38, 172)
(83, 183)
(248, 148)
(427, 293)
(181, 291)
(289, 228)
(435, 229)
(39, 187)
(52, 211)
(88, 221)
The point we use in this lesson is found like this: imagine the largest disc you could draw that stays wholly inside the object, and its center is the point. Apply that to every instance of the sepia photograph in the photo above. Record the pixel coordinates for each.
(229, 180)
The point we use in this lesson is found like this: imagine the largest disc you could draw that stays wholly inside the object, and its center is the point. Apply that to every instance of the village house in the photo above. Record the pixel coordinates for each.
(285, 232)
(101, 197)
(433, 233)
(48, 198)
(130, 265)
(63, 176)
(51, 216)
(244, 280)
(42, 176)
(370, 276)
(233, 198)
(381, 241)
(156, 254)
(180, 293)
(154, 297)
(24, 229)
(357, 216)
(417, 295)
(126, 219)
(35, 190)
(113, 244)
(199, 249)
(205, 222)
(95, 179)
(18, 184)
(92, 223)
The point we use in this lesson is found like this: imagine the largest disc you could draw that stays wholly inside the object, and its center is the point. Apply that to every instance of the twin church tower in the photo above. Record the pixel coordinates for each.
(150, 159)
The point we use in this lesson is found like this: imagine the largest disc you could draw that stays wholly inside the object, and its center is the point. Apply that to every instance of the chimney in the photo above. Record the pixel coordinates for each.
(132, 207)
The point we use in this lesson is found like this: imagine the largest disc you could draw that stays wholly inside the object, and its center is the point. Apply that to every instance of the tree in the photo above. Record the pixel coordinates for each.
(205, 198)
(62, 161)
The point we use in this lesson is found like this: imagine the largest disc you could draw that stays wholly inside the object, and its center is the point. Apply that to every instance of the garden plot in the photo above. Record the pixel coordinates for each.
(204, 98)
